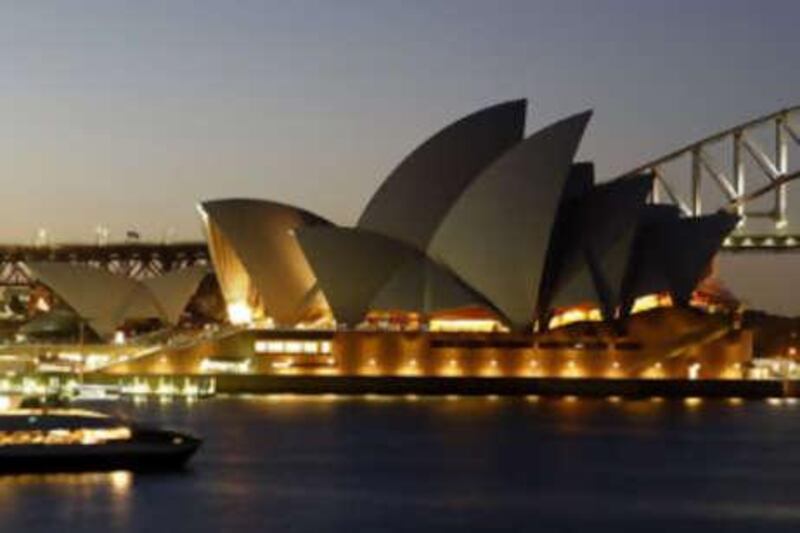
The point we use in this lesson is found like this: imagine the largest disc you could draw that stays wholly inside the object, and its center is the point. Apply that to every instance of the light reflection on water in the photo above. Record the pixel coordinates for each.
(416, 463)
(43, 502)
(119, 481)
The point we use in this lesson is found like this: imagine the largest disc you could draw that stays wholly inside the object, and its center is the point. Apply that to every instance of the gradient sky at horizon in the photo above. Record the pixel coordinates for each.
(126, 114)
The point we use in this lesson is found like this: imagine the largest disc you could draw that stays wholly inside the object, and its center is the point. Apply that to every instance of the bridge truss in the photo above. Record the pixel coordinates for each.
(749, 168)
(136, 260)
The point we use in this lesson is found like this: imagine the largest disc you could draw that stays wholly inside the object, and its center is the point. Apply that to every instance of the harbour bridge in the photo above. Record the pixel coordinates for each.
(745, 170)
(133, 259)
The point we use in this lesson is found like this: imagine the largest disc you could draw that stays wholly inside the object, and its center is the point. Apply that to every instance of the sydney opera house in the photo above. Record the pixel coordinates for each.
(487, 252)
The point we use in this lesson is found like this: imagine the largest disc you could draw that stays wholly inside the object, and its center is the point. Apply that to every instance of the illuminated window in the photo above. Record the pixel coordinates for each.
(269, 346)
(310, 347)
(293, 347)
(469, 325)
(64, 436)
(574, 315)
(651, 301)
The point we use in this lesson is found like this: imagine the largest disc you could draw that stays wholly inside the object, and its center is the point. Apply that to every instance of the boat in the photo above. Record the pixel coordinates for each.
(63, 439)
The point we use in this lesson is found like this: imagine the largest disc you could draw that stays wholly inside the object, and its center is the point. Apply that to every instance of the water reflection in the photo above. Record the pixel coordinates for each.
(120, 481)
(421, 463)
(68, 496)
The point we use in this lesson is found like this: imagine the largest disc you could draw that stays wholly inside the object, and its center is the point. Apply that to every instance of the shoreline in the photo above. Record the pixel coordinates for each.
(477, 386)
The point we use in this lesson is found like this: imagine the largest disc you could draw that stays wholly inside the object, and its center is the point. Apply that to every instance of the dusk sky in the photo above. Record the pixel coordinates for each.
(126, 114)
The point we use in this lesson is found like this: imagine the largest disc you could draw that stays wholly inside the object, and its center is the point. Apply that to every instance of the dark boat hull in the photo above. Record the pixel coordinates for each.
(148, 455)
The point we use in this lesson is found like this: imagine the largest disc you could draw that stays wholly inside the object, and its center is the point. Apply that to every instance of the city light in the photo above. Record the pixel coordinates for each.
(575, 315)
(240, 314)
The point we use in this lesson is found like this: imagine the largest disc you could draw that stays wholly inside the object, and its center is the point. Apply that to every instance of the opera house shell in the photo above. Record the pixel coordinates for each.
(106, 301)
(262, 271)
(479, 221)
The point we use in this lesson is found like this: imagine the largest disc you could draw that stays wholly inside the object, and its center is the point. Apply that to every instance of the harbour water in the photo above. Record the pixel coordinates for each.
(277, 463)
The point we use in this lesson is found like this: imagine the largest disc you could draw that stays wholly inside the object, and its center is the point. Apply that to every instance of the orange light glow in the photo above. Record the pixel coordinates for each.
(574, 315)
(411, 368)
(651, 301)
(692, 401)
(452, 368)
(240, 314)
(572, 370)
(465, 325)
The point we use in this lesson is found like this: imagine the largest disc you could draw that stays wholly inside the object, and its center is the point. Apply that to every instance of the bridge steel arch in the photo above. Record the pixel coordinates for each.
(738, 187)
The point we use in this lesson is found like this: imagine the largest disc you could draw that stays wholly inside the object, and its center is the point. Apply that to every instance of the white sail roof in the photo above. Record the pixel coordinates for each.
(414, 199)
(257, 259)
(107, 300)
(496, 235)
(361, 271)
(173, 290)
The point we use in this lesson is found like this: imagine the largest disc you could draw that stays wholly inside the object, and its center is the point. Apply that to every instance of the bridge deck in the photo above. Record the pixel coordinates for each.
(762, 243)
(134, 259)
